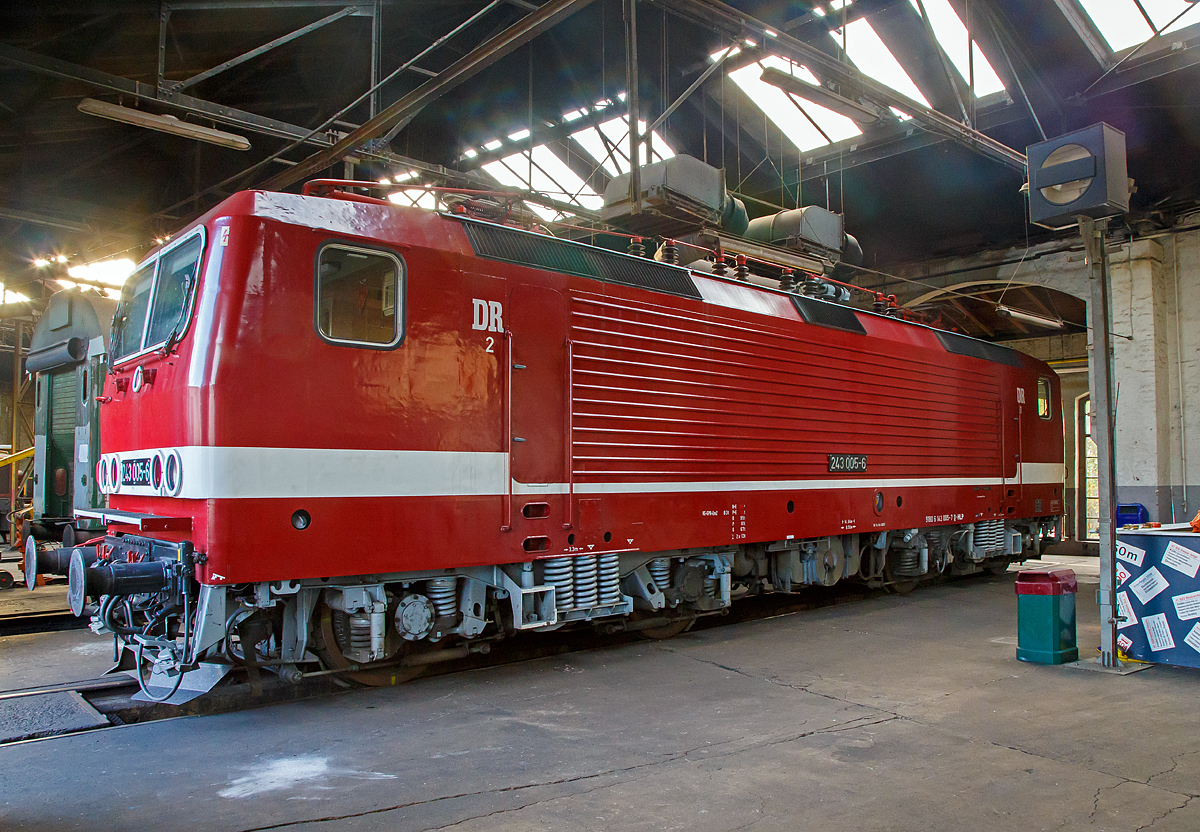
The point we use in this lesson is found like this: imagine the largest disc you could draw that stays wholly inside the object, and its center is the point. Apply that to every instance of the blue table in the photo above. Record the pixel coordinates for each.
(1158, 594)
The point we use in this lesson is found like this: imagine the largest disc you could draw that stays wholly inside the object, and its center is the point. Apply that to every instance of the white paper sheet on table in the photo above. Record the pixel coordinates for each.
(1187, 606)
(1181, 559)
(1125, 610)
(1122, 574)
(1193, 638)
(1130, 553)
(1158, 632)
(1149, 584)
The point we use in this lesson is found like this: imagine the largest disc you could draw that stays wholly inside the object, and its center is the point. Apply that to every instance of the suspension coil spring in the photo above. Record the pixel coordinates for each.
(610, 579)
(939, 559)
(587, 589)
(660, 571)
(360, 631)
(443, 592)
(712, 586)
(670, 252)
(908, 561)
(558, 575)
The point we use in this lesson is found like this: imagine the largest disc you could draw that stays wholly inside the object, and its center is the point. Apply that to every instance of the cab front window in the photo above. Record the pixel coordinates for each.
(155, 300)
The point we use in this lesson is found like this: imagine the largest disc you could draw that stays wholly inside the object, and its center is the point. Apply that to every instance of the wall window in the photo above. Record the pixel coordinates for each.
(1087, 462)
(1044, 398)
(360, 296)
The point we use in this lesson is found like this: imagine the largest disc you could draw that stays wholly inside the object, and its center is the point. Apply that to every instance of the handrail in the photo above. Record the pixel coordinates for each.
(19, 456)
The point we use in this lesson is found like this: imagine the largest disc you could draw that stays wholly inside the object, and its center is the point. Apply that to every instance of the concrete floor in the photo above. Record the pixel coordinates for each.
(888, 714)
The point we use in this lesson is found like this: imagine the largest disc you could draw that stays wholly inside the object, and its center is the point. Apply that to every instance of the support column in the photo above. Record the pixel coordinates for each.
(635, 111)
(1102, 422)
(1183, 277)
(1141, 304)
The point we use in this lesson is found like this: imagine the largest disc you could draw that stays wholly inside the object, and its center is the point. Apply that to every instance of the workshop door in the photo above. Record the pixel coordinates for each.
(537, 321)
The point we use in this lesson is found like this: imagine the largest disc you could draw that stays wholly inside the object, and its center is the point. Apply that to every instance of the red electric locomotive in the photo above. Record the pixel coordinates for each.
(389, 436)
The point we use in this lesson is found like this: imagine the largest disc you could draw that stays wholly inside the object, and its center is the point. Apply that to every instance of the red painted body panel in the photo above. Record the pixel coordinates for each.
(662, 390)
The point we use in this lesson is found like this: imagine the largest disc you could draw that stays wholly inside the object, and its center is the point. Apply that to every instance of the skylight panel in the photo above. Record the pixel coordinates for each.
(616, 132)
(1123, 26)
(871, 55)
(785, 113)
(952, 35)
(547, 174)
(416, 197)
(1163, 12)
(505, 175)
(565, 180)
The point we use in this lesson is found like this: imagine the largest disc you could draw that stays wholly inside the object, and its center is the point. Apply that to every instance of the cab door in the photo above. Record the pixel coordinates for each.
(537, 322)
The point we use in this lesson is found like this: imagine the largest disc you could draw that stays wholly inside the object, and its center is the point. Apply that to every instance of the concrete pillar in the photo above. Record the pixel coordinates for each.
(1182, 269)
(1141, 308)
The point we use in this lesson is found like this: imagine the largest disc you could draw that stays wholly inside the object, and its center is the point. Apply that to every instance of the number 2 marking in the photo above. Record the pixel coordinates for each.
(491, 343)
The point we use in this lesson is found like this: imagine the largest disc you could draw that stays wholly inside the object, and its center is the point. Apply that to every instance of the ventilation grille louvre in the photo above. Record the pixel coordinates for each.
(962, 345)
(495, 242)
(832, 315)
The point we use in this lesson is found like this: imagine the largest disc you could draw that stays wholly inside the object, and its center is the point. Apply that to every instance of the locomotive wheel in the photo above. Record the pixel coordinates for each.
(325, 645)
(667, 630)
(997, 569)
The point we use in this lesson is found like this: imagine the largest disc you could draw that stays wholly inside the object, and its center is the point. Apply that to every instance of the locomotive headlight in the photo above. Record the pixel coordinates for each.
(102, 476)
(172, 479)
(156, 471)
(114, 473)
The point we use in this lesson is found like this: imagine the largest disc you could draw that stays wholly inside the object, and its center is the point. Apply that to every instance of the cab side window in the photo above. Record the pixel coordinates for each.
(359, 296)
(1044, 398)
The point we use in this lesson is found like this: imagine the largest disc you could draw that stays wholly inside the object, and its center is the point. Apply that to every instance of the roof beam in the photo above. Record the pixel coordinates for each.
(403, 110)
(231, 116)
(1087, 31)
(1008, 38)
(266, 47)
(734, 23)
(1163, 64)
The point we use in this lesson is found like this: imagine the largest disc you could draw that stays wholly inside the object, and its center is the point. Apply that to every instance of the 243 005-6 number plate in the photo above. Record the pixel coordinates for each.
(137, 471)
(846, 463)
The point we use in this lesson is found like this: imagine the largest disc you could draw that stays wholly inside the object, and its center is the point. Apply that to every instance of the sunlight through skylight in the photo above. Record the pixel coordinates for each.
(415, 197)
(871, 55)
(616, 133)
(1123, 26)
(785, 113)
(546, 174)
(952, 35)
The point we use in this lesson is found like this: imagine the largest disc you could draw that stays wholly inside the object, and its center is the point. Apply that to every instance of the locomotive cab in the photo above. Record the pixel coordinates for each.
(68, 360)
